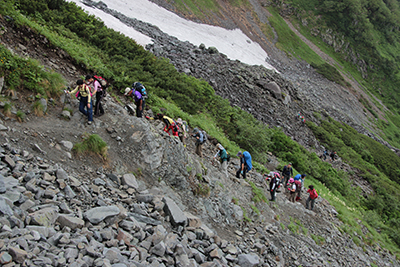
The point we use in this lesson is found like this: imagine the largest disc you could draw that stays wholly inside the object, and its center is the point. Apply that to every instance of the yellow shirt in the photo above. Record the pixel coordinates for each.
(84, 90)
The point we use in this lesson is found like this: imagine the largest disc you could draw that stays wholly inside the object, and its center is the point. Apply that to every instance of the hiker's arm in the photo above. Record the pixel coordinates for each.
(74, 91)
(140, 104)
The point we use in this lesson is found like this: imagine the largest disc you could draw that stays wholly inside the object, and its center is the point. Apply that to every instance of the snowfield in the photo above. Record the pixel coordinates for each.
(233, 43)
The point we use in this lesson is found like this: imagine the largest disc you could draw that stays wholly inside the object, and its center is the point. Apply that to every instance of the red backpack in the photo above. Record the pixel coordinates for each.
(313, 194)
(103, 82)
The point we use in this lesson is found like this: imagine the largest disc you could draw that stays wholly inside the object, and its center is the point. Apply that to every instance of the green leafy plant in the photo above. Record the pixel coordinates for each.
(258, 194)
(38, 109)
(91, 144)
(255, 209)
(235, 200)
(7, 109)
(21, 116)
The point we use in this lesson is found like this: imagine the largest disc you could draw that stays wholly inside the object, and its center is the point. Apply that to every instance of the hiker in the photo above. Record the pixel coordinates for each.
(85, 100)
(333, 155)
(299, 180)
(138, 98)
(245, 164)
(183, 129)
(96, 88)
(292, 190)
(287, 172)
(311, 198)
(325, 154)
(273, 185)
(199, 141)
(223, 158)
(170, 124)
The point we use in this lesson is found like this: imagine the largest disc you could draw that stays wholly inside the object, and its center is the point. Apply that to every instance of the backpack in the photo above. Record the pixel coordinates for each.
(140, 87)
(314, 194)
(298, 185)
(204, 136)
(228, 156)
(103, 82)
(247, 159)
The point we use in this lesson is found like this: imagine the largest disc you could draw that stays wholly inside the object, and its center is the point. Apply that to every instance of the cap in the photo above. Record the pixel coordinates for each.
(220, 147)
(289, 163)
(127, 90)
(179, 121)
(303, 175)
(239, 153)
(195, 130)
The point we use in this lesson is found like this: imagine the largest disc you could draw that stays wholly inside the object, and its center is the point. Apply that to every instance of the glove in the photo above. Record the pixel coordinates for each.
(241, 172)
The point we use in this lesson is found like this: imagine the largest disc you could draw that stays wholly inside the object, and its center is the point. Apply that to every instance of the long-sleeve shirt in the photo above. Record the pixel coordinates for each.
(84, 90)
(222, 154)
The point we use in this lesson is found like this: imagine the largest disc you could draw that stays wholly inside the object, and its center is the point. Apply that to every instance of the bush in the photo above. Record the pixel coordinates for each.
(91, 144)
(21, 116)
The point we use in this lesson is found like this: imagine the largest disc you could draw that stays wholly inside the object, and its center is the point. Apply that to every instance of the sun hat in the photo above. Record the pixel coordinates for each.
(179, 121)
(291, 180)
(127, 90)
(220, 146)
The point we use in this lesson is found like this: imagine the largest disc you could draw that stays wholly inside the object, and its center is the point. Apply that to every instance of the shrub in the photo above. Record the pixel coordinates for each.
(7, 109)
(258, 193)
(21, 116)
(92, 144)
(38, 109)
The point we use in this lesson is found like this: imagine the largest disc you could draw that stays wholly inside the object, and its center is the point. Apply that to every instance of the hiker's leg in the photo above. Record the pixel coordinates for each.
(201, 150)
(83, 105)
(138, 111)
(307, 202)
(238, 173)
(224, 167)
(90, 112)
(312, 204)
(244, 171)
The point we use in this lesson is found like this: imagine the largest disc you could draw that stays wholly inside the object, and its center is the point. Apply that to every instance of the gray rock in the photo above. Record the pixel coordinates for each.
(44, 217)
(9, 161)
(61, 174)
(177, 215)
(97, 215)
(5, 258)
(69, 221)
(2, 185)
(248, 260)
(5, 208)
(17, 254)
(130, 180)
(67, 145)
(69, 192)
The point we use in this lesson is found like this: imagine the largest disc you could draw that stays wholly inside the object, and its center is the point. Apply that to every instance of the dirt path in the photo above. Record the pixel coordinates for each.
(355, 88)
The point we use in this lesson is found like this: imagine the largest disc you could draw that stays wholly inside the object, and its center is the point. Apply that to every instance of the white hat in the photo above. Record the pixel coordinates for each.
(179, 121)
(220, 146)
(127, 90)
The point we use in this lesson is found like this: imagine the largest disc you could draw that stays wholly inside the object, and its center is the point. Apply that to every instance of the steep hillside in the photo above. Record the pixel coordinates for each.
(246, 229)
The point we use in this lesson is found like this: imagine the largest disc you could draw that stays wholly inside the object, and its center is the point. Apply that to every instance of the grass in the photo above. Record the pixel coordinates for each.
(7, 109)
(235, 200)
(245, 218)
(21, 116)
(319, 240)
(255, 209)
(38, 109)
(92, 144)
(258, 193)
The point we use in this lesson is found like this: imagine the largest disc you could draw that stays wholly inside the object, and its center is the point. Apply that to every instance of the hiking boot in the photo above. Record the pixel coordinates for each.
(89, 122)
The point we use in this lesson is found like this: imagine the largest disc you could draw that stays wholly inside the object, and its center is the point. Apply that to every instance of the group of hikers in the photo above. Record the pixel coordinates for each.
(325, 155)
(85, 90)
(96, 85)
(292, 185)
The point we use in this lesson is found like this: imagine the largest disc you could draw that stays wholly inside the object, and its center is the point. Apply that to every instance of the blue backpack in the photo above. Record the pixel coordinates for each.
(247, 159)
(140, 87)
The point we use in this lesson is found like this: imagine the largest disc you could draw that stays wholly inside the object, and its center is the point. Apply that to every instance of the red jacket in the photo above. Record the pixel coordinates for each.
(313, 193)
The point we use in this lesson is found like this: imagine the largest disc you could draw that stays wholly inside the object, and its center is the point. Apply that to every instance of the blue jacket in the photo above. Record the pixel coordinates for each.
(247, 159)
(297, 177)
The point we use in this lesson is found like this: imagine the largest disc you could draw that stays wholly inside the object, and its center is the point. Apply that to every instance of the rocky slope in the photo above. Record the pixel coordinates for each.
(61, 209)
(138, 208)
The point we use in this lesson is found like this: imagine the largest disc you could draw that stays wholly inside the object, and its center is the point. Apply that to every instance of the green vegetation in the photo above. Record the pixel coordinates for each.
(255, 209)
(38, 108)
(110, 54)
(245, 218)
(258, 193)
(7, 109)
(28, 74)
(91, 144)
(21, 116)
(319, 240)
